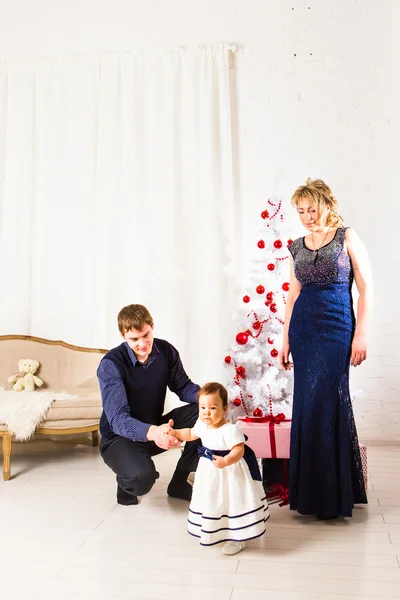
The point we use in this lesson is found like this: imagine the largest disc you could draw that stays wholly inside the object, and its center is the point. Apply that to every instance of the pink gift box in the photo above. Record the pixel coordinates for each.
(260, 434)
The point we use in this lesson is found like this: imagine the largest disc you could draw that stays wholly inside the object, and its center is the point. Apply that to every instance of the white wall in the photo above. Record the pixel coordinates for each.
(318, 88)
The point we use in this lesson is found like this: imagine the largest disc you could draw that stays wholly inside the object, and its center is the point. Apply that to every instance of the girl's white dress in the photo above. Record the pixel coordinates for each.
(227, 504)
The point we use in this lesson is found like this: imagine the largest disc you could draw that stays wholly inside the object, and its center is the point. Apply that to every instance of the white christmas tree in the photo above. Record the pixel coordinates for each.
(257, 386)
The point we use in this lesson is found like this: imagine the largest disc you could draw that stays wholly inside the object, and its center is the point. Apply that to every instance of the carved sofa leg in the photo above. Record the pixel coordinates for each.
(6, 446)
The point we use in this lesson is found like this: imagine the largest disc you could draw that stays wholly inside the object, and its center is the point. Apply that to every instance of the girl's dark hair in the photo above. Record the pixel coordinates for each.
(212, 388)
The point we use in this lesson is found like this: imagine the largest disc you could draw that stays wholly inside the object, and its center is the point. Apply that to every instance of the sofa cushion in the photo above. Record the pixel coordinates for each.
(86, 405)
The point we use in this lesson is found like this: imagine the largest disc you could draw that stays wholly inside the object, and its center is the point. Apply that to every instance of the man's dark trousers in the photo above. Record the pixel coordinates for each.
(131, 461)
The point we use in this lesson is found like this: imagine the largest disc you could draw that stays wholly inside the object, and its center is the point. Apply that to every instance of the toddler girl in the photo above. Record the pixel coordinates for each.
(228, 502)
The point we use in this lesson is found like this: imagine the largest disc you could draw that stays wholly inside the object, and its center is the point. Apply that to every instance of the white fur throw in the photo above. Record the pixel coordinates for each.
(23, 411)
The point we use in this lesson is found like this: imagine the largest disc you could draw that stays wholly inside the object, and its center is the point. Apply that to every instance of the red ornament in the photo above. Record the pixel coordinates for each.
(260, 289)
(290, 241)
(228, 360)
(270, 296)
(265, 214)
(236, 402)
(277, 244)
(256, 325)
(261, 244)
(242, 338)
(285, 286)
(270, 341)
(271, 267)
(257, 412)
(274, 353)
(240, 371)
(246, 299)
(273, 308)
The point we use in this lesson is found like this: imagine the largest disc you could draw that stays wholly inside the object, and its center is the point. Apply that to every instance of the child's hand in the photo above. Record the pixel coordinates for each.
(167, 428)
(163, 435)
(219, 461)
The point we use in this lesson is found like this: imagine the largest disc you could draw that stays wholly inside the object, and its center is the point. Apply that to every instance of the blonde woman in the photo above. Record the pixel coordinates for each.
(324, 338)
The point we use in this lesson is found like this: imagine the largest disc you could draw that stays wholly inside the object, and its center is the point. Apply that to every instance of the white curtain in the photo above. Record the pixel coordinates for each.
(116, 188)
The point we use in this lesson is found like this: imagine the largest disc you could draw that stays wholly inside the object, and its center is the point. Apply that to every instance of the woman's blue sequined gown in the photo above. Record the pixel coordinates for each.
(326, 476)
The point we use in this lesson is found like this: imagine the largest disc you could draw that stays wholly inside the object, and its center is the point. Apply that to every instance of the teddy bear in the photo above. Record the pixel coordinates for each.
(26, 378)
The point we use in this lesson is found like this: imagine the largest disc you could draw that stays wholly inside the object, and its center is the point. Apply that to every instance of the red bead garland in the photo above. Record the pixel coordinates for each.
(270, 398)
(277, 210)
(243, 404)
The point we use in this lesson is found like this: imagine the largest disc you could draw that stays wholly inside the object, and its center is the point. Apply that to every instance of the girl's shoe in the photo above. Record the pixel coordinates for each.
(233, 547)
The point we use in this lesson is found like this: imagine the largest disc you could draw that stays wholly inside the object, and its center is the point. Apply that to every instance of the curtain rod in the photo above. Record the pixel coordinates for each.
(136, 52)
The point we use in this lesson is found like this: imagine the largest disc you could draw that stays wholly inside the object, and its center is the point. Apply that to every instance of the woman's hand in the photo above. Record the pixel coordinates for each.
(363, 279)
(358, 350)
(284, 356)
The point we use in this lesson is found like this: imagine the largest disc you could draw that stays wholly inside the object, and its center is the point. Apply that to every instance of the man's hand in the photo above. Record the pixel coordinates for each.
(219, 461)
(163, 435)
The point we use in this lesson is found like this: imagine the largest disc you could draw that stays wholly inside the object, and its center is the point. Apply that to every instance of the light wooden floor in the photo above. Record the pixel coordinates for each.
(64, 538)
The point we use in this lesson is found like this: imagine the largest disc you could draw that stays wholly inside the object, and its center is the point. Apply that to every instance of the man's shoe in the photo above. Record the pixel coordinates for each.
(179, 487)
(126, 499)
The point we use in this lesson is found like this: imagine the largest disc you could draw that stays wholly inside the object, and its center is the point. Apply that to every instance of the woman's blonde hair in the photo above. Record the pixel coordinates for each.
(320, 195)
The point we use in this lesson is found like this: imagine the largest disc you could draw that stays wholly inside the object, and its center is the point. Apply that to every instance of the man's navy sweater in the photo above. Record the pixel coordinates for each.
(133, 393)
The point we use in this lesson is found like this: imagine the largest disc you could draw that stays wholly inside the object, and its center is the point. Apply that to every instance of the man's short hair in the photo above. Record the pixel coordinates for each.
(212, 388)
(134, 316)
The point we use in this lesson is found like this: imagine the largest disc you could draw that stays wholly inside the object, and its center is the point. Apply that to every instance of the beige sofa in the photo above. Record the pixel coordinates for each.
(62, 367)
